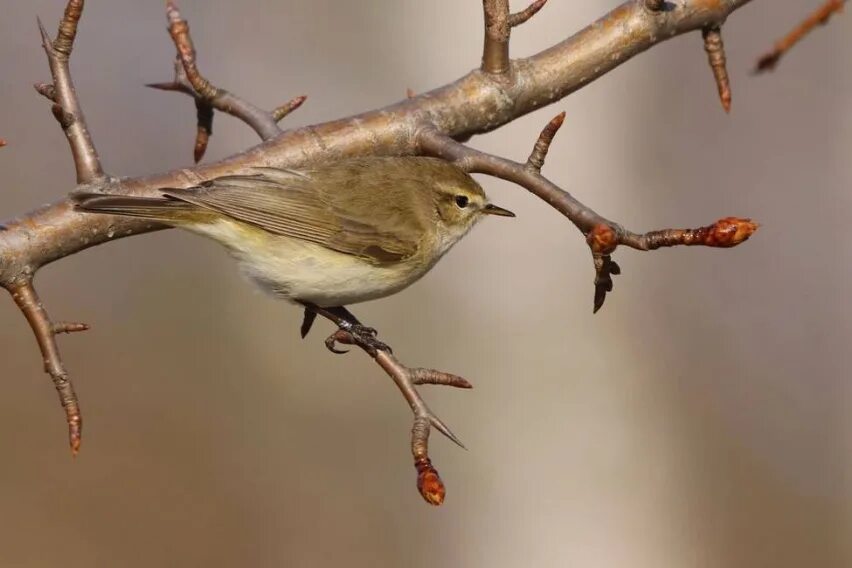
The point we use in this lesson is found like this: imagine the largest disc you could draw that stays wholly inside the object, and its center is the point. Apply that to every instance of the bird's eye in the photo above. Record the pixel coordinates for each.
(461, 201)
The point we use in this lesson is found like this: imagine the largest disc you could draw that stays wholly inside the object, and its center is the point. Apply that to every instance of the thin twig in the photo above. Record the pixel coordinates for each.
(429, 483)
(820, 16)
(602, 235)
(45, 332)
(70, 113)
(263, 122)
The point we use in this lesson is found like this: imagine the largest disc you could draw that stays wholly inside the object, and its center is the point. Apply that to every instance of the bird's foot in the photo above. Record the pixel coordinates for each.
(356, 334)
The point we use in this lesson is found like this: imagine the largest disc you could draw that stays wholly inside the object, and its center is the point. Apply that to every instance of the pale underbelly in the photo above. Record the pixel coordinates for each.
(303, 271)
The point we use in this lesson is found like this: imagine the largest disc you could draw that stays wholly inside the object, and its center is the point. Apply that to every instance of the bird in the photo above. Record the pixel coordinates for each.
(326, 236)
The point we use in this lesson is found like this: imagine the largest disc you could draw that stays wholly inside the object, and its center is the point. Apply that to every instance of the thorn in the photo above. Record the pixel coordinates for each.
(69, 327)
(170, 86)
(530, 11)
(46, 42)
(443, 429)
(288, 107)
(715, 48)
(433, 377)
(539, 152)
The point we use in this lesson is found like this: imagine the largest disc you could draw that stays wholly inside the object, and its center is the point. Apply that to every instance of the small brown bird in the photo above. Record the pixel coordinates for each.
(337, 234)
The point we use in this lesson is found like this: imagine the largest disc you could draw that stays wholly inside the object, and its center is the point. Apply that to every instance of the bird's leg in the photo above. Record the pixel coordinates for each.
(352, 332)
(363, 336)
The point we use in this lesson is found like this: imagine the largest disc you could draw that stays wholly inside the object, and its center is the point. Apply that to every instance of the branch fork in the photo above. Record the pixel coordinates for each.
(45, 331)
(498, 28)
(429, 482)
(189, 80)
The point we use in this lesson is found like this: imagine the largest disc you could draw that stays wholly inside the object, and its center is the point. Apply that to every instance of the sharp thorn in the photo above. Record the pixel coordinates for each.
(45, 37)
(443, 429)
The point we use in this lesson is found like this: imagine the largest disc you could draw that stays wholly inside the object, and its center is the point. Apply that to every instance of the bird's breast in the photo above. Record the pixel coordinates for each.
(309, 272)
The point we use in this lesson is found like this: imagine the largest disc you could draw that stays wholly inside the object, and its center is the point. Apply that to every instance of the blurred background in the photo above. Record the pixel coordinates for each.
(701, 419)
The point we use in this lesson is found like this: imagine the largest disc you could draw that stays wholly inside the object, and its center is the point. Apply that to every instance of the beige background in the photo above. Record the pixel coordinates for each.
(700, 420)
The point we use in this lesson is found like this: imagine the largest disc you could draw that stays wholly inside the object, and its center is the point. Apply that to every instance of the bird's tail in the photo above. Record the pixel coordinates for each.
(163, 209)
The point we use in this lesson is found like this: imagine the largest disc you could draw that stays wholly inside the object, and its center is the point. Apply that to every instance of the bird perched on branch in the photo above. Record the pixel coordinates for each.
(337, 234)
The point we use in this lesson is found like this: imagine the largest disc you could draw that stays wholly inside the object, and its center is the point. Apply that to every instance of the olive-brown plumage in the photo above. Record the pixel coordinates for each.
(333, 235)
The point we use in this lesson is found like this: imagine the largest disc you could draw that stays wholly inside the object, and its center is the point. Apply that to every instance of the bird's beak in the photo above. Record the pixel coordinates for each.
(490, 209)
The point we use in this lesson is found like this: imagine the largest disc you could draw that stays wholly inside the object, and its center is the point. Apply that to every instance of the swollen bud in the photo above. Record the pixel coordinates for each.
(429, 482)
(729, 232)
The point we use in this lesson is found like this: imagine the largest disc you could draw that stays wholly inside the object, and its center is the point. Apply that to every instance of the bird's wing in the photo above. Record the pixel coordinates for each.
(350, 219)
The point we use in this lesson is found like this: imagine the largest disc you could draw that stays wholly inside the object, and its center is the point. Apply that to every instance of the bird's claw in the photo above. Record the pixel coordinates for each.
(356, 334)
(365, 337)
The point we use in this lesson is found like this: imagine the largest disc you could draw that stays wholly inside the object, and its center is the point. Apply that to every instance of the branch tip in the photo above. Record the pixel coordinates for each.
(46, 42)
(429, 483)
(768, 61)
(536, 159)
(188, 79)
(64, 43)
(69, 327)
(715, 48)
(725, 233)
(45, 331)
(279, 113)
(433, 377)
(66, 108)
(520, 17)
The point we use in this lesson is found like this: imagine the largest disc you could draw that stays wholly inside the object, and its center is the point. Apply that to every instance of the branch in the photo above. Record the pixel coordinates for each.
(602, 235)
(188, 80)
(820, 16)
(477, 103)
(351, 332)
(45, 332)
(498, 27)
(66, 106)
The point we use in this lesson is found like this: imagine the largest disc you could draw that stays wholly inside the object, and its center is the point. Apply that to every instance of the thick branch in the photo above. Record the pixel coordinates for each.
(472, 105)
(66, 106)
(820, 16)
